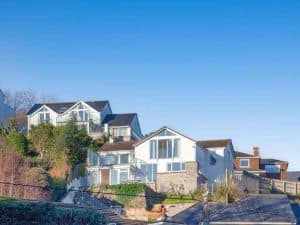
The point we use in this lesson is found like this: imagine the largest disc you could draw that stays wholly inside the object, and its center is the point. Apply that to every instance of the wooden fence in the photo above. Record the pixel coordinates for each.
(267, 185)
(289, 187)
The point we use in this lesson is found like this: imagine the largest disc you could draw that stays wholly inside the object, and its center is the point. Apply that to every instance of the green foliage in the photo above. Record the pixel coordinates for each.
(58, 188)
(42, 138)
(40, 213)
(127, 189)
(18, 141)
(223, 190)
(77, 143)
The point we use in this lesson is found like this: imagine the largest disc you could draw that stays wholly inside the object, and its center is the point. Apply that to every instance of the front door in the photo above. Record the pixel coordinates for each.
(105, 176)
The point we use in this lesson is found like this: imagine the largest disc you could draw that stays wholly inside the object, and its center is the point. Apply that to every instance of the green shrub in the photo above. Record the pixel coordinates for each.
(41, 213)
(230, 189)
(58, 188)
(18, 141)
(126, 192)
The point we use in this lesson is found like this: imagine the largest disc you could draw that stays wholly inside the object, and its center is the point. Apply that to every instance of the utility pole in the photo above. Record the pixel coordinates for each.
(205, 213)
(226, 182)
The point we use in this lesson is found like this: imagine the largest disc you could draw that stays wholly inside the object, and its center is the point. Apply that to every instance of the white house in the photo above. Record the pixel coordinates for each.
(164, 160)
(5, 110)
(112, 164)
(94, 116)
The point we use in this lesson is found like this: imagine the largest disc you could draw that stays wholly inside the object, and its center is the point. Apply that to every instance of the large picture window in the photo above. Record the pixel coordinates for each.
(164, 148)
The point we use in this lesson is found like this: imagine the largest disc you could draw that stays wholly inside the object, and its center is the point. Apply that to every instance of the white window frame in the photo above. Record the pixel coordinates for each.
(118, 175)
(181, 167)
(248, 162)
(44, 112)
(156, 146)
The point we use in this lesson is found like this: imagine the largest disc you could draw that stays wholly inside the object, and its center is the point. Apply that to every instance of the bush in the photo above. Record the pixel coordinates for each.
(29, 213)
(58, 188)
(123, 190)
(18, 141)
(224, 189)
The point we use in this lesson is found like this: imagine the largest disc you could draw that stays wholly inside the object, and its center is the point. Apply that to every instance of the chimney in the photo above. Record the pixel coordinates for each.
(256, 151)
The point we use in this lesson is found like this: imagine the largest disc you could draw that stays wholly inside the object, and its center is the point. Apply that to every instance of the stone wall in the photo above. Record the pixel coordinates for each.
(187, 181)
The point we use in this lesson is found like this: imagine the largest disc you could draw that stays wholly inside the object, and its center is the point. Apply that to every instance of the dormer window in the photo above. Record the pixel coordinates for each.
(44, 116)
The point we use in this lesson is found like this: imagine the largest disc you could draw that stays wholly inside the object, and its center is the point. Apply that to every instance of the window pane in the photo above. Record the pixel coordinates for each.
(162, 149)
(152, 149)
(176, 147)
(149, 172)
(154, 172)
(244, 163)
(272, 168)
(114, 177)
(176, 166)
(124, 159)
(41, 117)
(183, 166)
(123, 176)
(169, 148)
(165, 133)
(169, 167)
(47, 117)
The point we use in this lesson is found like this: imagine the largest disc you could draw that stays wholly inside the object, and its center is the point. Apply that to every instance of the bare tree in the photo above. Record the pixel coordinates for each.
(20, 100)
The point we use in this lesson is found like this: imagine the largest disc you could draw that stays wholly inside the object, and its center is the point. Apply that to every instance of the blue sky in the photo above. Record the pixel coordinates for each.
(211, 69)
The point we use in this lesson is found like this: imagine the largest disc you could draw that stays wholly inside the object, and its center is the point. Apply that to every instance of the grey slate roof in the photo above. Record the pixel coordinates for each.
(61, 107)
(124, 145)
(270, 161)
(294, 176)
(242, 154)
(119, 119)
(222, 143)
(262, 209)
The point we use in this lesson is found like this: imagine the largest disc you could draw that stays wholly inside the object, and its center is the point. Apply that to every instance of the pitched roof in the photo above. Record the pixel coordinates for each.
(61, 107)
(125, 145)
(294, 176)
(253, 209)
(222, 143)
(119, 119)
(271, 161)
(242, 154)
(154, 133)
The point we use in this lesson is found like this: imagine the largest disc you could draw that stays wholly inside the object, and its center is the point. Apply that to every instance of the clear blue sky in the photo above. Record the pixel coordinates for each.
(211, 69)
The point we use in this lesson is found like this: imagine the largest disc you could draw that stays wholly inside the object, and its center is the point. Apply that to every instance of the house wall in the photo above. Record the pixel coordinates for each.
(33, 119)
(224, 160)
(5, 110)
(280, 176)
(136, 132)
(187, 152)
(253, 162)
(57, 119)
(188, 179)
(106, 110)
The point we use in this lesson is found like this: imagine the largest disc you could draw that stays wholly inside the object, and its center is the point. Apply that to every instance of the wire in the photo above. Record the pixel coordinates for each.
(98, 192)
(128, 195)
